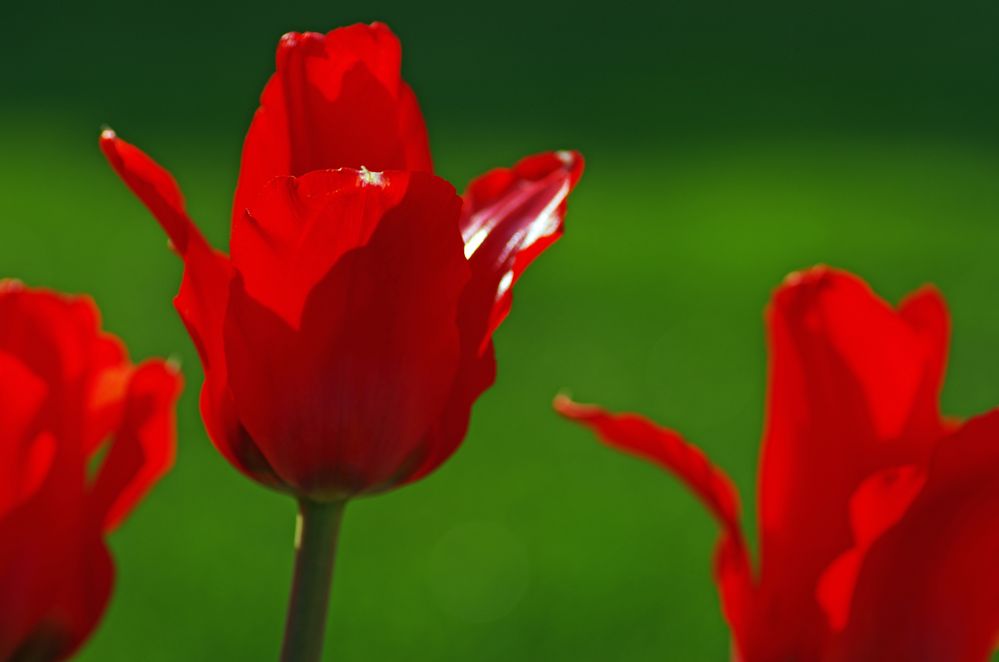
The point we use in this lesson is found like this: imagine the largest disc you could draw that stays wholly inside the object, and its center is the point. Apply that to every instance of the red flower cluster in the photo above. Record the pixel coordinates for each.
(83, 435)
(348, 333)
(878, 517)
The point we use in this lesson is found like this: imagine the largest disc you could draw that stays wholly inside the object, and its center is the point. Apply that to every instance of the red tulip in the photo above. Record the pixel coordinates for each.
(348, 334)
(84, 434)
(879, 519)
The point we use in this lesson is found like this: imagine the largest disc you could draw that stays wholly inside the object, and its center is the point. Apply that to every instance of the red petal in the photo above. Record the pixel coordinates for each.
(878, 504)
(509, 217)
(928, 588)
(926, 313)
(54, 336)
(22, 395)
(852, 387)
(300, 227)
(82, 606)
(55, 574)
(342, 401)
(336, 101)
(142, 449)
(154, 186)
(201, 301)
(640, 437)
(38, 553)
(476, 373)
(27, 583)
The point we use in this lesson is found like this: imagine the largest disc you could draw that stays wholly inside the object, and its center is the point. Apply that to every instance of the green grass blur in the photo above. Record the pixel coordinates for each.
(725, 149)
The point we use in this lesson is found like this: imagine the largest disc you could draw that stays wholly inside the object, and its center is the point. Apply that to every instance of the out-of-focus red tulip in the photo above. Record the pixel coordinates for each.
(84, 434)
(348, 333)
(879, 519)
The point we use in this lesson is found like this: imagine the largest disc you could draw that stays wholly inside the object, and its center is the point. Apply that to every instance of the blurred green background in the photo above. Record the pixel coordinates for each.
(728, 143)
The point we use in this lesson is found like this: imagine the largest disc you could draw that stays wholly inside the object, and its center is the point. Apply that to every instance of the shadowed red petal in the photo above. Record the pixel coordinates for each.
(201, 301)
(142, 449)
(27, 588)
(852, 391)
(341, 403)
(82, 606)
(335, 101)
(878, 504)
(36, 551)
(475, 374)
(640, 437)
(928, 588)
(22, 395)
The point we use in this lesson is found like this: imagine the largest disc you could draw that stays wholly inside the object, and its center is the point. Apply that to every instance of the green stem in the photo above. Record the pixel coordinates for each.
(315, 549)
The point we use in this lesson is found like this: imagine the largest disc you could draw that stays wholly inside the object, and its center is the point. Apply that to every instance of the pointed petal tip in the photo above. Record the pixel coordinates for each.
(573, 162)
(173, 365)
(565, 406)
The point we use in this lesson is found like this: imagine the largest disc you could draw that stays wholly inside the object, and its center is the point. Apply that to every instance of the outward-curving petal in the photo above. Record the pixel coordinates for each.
(201, 301)
(640, 437)
(928, 588)
(509, 217)
(336, 101)
(340, 401)
(853, 387)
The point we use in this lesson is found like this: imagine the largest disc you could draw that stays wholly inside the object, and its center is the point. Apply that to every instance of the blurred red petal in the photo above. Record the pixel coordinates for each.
(928, 588)
(142, 448)
(640, 437)
(852, 385)
(879, 503)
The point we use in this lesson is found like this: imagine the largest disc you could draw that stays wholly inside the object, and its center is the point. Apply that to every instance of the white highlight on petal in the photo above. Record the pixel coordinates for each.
(545, 222)
(504, 283)
(472, 243)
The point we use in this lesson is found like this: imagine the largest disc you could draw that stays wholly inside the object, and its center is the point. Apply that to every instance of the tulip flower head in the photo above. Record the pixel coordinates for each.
(348, 332)
(84, 434)
(879, 518)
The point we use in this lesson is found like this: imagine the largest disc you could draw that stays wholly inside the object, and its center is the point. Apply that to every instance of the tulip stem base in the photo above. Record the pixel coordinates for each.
(316, 534)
